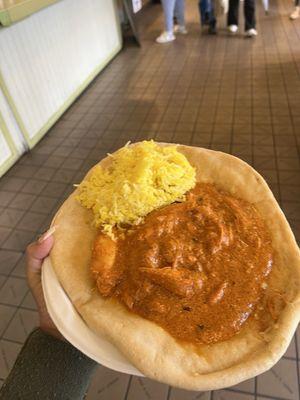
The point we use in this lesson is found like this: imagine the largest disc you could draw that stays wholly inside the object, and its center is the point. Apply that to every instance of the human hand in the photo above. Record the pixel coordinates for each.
(36, 252)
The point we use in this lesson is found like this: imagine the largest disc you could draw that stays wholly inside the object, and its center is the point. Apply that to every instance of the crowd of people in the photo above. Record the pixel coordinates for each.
(208, 9)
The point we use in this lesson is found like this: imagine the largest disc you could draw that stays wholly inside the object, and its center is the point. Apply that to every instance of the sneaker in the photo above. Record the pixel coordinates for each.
(251, 32)
(180, 29)
(233, 28)
(295, 14)
(212, 30)
(166, 37)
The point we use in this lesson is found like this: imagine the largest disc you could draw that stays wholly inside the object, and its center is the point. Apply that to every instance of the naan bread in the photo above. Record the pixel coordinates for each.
(149, 347)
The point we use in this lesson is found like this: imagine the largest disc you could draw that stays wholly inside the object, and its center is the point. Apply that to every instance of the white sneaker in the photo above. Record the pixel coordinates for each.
(251, 32)
(166, 37)
(233, 28)
(296, 13)
(180, 29)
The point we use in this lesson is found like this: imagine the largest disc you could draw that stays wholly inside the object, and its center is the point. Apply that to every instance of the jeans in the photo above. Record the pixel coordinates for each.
(171, 8)
(249, 12)
(207, 12)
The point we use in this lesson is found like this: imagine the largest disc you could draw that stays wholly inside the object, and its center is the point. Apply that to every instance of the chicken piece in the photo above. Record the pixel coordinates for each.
(171, 251)
(218, 294)
(174, 280)
(103, 264)
(158, 307)
(128, 299)
(151, 256)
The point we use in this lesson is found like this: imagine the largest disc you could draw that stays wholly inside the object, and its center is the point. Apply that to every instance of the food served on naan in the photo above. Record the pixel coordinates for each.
(183, 259)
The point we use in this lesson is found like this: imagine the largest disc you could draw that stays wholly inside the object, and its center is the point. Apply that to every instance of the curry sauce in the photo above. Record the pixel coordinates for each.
(197, 268)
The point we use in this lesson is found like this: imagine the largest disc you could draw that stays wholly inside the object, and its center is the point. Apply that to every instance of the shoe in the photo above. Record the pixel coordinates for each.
(212, 30)
(233, 28)
(251, 32)
(166, 37)
(295, 14)
(180, 29)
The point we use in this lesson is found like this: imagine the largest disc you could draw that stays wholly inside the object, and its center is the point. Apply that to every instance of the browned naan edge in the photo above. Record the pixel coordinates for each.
(147, 346)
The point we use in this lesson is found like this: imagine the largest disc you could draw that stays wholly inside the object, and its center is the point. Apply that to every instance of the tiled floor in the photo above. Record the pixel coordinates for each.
(225, 93)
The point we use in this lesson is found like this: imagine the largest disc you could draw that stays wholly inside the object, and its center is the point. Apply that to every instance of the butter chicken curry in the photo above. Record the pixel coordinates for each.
(197, 268)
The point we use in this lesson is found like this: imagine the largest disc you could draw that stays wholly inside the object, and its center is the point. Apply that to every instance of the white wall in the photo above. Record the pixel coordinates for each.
(12, 125)
(5, 152)
(47, 56)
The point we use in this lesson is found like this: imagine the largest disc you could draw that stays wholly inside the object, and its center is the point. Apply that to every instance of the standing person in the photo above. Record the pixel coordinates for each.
(296, 13)
(249, 13)
(172, 8)
(207, 15)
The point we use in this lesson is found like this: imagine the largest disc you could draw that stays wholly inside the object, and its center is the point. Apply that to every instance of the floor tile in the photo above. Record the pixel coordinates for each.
(33, 159)
(263, 162)
(13, 291)
(4, 233)
(22, 171)
(180, 394)
(54, 189)
(289, 177)
(6, 314)
(107, 384)
(230, 395)
(44, 173)
(23, 322)
(64, 176)
(22, 201)
(246, 386)
(3, 279)
(33, 186)
(291, 351)
(290, 193)
(6, 197)
(20, 268)
(8, 260)
(144, 388)
(32, 221)
(9, 352)
(54, 161)
(43, 205)
(12, 184)
(29, 302)
(18, 240)
(291, 210)
(242, 139)
(287, 151)
(10, 217)
(280, 381)
(288, 164)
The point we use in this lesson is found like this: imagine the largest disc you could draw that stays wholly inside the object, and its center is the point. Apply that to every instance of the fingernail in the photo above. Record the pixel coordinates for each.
(47, 234)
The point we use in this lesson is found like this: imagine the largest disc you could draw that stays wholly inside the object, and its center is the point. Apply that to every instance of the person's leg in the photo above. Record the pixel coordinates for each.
(201, 7)
(204, 11)
(168, 7)
(249, 12)
(212, 20)
(179, 12)
(233, 13)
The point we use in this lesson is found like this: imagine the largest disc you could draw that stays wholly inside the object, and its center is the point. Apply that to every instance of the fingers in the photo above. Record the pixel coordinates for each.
(36, 253)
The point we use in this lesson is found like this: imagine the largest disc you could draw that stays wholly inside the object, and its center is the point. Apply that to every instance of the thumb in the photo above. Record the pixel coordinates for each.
(37, 251)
